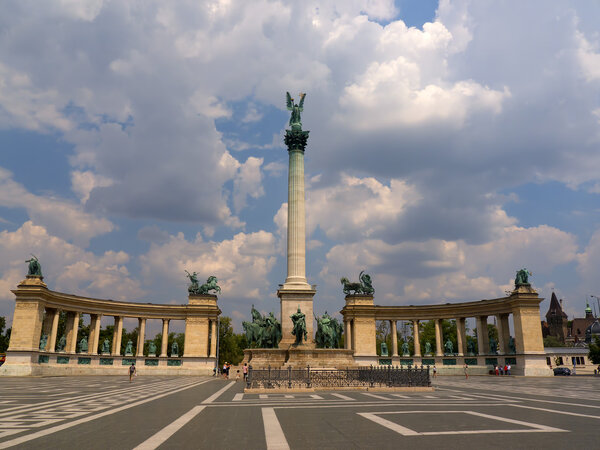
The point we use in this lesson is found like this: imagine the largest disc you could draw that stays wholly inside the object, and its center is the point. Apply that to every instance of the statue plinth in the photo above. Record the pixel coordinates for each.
(524, 289)
(33, 280)
(290, 301)
(359, 299)
(204, 299)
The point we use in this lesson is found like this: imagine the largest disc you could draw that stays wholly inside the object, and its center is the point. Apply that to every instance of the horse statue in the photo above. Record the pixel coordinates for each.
(365, 286)
(262, 332)
(210, 285)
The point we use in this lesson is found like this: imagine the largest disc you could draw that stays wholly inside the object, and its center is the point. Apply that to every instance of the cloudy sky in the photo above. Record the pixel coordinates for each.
(451, 144)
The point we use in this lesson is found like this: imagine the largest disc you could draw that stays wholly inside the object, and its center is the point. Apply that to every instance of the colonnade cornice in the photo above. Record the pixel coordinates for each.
(504, 305)
(87, 305)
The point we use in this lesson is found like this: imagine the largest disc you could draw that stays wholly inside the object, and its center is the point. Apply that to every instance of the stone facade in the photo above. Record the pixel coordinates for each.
(37, 311)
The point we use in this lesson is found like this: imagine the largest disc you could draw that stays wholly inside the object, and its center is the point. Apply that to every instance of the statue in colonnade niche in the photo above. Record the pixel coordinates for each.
(174, 349)
(129, 348)
(106, 347)
(62, 343)
(384, 349)
(299, 327)
(151, 348)
(493, 346)
(427, 348)
(43, 341)
(405, 349)
(471, 347)
(83, 345)
(365, 286)
(511, 345)
(449, 347)
(34, 268)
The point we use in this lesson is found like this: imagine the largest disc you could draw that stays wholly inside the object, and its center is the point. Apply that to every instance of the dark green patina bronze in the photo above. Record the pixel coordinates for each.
(405, 349)
(365, 286)
(35, 268)
(522, 278)
(295, 139)
(263, 331)
(329, 332)
(449, 346)
(299, 326)
(196, 289)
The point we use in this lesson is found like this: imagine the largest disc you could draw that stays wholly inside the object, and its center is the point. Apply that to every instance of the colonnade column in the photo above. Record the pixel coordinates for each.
(503, 333)
(71, 331)
(47, 325)
(141, 337)
(483, 342)
(438, 337)
(394, 338)
(94, 333)
(213, 338)
(164, 343)
(347, 335)
(461, 336)
(117, 336)
(51, 346)
(416, 339)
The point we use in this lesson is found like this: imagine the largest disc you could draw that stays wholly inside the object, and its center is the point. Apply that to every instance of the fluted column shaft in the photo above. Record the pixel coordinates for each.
(503, 333)
(164, 343)
(141, 337)
(213, 338)
(438, 338)
(348, 336)
(94, 333)
(416, 340)
(394, 338)
(296, 235)
(51, 346)
(461, 336)
(71, 331)
(483, 342)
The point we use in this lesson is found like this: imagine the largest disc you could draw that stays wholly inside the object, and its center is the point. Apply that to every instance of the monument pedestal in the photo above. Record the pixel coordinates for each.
(291, 299)
(299, 357)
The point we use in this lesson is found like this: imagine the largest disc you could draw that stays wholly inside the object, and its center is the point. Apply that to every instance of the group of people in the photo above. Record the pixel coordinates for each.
(227, 368)
(500, 370)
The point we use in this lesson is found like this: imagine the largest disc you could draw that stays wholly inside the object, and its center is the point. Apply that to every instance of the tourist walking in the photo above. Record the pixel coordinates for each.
(225, 370)
(434, 371)
(508, 369)
(132, 371)
(466, 369)
(245, 371)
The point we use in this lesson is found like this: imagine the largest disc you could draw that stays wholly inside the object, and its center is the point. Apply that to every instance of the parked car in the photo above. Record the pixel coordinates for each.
(565, 371)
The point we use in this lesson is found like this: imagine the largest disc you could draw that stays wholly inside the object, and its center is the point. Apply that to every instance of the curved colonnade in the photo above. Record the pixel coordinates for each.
(527, 357)
(37, 312)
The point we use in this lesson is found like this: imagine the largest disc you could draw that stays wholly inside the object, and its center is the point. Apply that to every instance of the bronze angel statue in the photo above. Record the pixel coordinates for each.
(295, 120)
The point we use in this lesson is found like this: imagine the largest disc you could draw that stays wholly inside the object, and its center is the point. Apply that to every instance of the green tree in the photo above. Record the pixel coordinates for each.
(594, 353)
(428, 334)
(4, 336)
(383, 334)
(553, 341)
(231, 345)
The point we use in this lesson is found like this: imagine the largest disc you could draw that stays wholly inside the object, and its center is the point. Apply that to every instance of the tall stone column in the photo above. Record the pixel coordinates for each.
(483, 340)
(296, 292)
(416, 340)
(47, 324)
(461, 336)
(117, 336)
(394, 338)
(503, 333)
(51, 346)
(141, 337)
(164, 343)
(348, 335)
(438, 338)
(213, 338)
(72, 326)
(95, 322)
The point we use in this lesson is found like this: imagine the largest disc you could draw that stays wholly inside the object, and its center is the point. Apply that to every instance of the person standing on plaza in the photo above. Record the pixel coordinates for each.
(508, 369)
(132, 371)
(245, 371)
(466, 369)
(434, 371)
(225, 370)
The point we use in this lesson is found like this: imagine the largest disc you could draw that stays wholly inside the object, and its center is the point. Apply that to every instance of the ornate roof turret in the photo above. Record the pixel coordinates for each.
(588, 311)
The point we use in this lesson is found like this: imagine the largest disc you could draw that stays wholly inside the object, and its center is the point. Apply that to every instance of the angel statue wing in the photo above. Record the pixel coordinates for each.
(290, 101)
(301, 104)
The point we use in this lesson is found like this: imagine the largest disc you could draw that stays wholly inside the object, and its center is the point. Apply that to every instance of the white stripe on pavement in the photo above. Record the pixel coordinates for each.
(343, 397)
(159, 438)
(217, 394)
(380, 397)
(273, 432)
(238, 397)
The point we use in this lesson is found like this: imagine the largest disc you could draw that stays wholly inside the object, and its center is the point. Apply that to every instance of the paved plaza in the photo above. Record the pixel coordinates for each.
(192, 412)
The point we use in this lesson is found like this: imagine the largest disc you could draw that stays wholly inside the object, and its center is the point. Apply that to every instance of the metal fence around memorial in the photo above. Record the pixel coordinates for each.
(389, 376)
